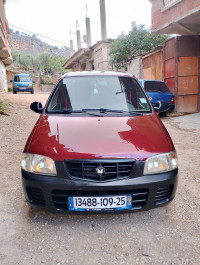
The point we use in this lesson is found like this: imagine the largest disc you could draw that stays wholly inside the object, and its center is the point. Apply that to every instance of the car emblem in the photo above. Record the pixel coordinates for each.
(100, 170)
(150, 98)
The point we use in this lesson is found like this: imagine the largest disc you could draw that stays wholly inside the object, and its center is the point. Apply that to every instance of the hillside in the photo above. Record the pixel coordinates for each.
(33, 46)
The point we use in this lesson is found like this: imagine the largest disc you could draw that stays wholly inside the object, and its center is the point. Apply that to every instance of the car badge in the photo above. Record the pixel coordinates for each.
(100, 170)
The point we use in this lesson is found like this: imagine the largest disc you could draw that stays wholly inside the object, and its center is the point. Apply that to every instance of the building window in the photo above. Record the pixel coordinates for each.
(169, 3)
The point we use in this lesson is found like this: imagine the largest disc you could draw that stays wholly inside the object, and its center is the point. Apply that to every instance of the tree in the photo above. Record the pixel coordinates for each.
(140, 40)
(56, 63)
(44, 59)
(45, 62)
(51, 64)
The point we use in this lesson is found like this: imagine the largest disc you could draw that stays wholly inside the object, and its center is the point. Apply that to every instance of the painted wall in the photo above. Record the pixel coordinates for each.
(3, 78)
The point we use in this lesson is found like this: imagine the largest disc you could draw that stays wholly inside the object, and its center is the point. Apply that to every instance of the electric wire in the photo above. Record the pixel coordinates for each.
(39, 35)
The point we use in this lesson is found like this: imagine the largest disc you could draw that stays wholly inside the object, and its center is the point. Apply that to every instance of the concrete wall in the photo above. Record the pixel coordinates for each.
(101, 56)
(97, 58)
(135, 67)
(3, 78)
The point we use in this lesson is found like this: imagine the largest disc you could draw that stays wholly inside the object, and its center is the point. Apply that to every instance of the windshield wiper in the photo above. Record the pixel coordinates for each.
(69, 111)
(102, 110)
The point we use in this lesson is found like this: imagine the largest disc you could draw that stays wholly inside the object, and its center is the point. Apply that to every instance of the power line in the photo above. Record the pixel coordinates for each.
(39, 35)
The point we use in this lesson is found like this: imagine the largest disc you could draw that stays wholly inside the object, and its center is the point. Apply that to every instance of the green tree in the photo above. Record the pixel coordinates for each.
(45, 62)
(56, 63)
(45, 59)
(140, 40)
(51, 64)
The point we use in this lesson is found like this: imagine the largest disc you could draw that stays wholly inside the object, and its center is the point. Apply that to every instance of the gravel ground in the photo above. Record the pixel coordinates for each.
(166, 235)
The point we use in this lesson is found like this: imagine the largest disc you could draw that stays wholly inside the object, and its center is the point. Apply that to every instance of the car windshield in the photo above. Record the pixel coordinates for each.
(22, 78)
(156, 86)
(97, 93)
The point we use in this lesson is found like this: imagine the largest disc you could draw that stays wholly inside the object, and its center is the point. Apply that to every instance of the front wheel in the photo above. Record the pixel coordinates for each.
(32, 92)
(163, 114)
(14, 92)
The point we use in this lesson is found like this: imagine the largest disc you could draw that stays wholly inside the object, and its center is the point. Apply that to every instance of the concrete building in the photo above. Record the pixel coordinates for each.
(5, 52)
(94, 57)
(176, 17)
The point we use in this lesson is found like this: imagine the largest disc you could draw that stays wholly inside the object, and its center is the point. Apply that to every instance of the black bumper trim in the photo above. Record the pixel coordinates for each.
(152, 184)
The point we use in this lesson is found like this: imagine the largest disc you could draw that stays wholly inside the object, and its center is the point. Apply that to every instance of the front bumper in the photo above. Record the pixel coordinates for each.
(23, 89)
(51, 193)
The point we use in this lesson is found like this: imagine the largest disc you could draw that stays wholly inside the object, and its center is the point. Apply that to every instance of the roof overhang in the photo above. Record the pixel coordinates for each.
(79, 56)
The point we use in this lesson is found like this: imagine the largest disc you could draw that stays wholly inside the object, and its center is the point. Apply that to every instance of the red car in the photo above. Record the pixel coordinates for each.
(99, 146)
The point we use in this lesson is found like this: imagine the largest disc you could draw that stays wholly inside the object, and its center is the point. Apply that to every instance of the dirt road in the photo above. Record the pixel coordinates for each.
(166, 235)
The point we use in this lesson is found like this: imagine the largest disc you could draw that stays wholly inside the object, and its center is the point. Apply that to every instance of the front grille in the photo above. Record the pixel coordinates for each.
(87, 169)
(163, 194)
(36, 195)
(60, 197)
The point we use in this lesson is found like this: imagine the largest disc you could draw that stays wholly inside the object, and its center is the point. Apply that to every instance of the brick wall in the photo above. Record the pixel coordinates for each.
(161, 17)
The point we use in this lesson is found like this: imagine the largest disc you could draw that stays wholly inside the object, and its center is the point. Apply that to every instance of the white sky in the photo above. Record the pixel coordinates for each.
(55, 19)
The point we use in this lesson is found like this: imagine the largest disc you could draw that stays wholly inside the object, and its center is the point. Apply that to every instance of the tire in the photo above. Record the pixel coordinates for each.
(163, 114)
(32, 92)
(14, 92)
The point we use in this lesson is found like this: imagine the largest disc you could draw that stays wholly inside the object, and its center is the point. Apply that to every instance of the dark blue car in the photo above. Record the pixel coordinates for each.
(158, 91)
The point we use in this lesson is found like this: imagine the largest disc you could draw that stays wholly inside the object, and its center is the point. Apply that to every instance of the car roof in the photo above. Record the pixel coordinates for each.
(144, 80)
(22, 75)
(97, 73)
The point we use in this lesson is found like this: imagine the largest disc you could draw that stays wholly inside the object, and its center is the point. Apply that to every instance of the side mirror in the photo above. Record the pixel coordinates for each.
(37, 107)
(33, 82)
(11, 81)
(161, 106)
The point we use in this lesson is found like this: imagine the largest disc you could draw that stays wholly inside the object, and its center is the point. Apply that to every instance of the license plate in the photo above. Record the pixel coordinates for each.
(116, 203)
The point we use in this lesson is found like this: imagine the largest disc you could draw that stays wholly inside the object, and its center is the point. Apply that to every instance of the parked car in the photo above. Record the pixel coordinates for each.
(158, 91)
(22, 83)
(99, 146)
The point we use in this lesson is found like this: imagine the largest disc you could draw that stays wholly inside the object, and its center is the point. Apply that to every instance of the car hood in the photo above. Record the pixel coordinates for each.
(68, 137)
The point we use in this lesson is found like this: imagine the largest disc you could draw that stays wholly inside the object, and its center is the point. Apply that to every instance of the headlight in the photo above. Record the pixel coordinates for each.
(161, 163)
(14, 85)
(30, 85)
(38, 164)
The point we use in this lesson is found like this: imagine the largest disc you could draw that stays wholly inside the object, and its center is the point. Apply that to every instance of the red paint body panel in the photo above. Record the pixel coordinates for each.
(68, 137)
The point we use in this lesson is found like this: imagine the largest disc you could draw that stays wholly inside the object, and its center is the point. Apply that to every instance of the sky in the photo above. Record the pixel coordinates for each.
(55, 19)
